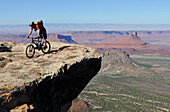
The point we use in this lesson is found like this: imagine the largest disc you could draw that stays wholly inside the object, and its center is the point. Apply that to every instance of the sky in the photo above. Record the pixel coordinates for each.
(85, 11)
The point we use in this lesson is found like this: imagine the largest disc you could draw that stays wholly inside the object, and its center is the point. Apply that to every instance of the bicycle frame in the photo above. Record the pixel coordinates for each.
(30, 49)
(34, 40)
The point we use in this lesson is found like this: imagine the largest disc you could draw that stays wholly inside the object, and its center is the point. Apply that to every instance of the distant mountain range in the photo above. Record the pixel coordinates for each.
(99, 36)
(62, 27)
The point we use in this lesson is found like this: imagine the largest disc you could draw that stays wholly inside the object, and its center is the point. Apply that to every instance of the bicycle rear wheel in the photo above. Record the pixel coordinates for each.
(47, 48)
(30, 51)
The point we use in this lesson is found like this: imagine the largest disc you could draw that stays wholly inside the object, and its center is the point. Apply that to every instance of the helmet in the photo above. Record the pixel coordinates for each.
(36, 23)
(31, 24)
(39, 22)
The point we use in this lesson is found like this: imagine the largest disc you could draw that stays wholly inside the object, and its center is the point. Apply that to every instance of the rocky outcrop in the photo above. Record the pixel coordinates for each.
(4, 47)
(65, 38)
(80, 106)
(49, 82)
(119, 62)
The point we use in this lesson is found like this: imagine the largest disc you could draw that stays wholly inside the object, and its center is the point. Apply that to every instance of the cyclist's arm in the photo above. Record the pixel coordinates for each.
(38, 32)
(30, 33)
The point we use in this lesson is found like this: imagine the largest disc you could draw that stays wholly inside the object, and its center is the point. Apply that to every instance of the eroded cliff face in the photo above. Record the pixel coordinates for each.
(48, 82)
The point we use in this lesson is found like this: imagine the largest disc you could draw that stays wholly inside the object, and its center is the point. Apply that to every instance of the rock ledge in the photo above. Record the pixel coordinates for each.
(48, 81)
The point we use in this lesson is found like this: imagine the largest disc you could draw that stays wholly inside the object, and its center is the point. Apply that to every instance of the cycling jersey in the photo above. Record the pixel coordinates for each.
(35, 29)
(43, 32)
(39, 27)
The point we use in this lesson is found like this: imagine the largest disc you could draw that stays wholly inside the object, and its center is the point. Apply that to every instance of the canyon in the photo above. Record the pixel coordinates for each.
(133, 42)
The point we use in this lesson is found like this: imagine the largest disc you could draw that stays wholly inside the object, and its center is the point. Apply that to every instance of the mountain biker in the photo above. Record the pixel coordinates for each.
(41, 31)
(33, 26)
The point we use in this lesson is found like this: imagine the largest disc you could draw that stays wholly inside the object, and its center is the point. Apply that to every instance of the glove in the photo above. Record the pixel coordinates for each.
(27, 36)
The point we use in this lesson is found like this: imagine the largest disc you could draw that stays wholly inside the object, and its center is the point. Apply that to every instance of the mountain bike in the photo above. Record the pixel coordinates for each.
(30, 49)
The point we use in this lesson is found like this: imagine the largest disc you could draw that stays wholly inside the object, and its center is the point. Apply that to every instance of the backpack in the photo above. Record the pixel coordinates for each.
(40, 22)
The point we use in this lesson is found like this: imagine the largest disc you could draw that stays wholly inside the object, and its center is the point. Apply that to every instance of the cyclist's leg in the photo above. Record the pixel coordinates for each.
(37, 43)
(45, 42)
(37, 40)
(39, 35)
(45, 37)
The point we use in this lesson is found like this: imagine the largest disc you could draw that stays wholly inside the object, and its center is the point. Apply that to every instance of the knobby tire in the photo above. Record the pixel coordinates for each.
(30, 51)
(47, 50)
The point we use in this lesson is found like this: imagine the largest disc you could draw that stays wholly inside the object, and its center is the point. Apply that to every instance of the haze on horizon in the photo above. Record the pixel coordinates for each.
(89, 11)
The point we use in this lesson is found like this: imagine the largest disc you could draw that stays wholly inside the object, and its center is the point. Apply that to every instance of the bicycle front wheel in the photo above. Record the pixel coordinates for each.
(30, 51)
(47, 48)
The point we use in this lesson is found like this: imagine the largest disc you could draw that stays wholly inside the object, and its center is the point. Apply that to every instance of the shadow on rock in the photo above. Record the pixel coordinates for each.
(54, 51)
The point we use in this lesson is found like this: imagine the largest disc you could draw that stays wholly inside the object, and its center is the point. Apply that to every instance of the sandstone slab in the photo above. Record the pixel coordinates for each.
(48, 81)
